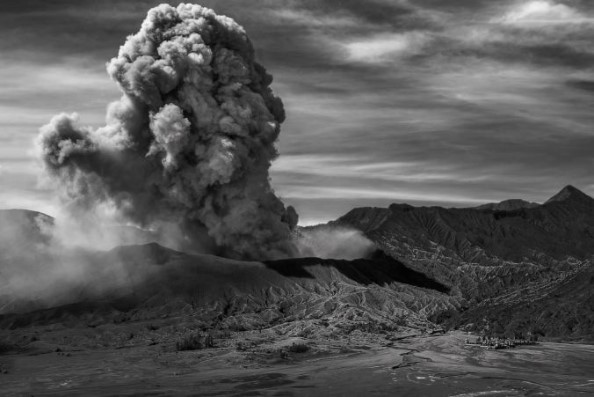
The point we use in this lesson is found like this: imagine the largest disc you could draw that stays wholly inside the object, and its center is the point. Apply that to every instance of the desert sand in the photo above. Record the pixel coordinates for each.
(103, 361)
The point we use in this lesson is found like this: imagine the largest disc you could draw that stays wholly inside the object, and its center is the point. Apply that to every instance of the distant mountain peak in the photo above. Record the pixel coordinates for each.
(507, 205)
(569, 193)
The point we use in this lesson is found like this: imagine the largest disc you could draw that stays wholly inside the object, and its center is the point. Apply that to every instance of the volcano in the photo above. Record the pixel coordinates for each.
(502, 269)
(433, 267)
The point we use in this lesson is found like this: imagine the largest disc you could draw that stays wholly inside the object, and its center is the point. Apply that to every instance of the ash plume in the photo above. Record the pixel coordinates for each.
(190, 142)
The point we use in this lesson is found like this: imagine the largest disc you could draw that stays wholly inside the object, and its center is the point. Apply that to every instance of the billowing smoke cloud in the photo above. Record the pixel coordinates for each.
(190, 141)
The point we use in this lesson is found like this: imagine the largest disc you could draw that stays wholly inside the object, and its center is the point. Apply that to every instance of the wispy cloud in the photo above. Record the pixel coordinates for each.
(32, 93)
(337, 166)
(395, 195)
(451, 102)
(542, 12)
(383, 47)
(310, 19)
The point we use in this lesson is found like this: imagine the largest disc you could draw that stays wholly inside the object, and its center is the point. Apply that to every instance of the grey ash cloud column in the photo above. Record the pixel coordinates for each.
(191, 139)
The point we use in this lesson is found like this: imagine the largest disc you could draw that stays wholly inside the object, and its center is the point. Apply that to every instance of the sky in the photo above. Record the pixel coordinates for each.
(430, 102)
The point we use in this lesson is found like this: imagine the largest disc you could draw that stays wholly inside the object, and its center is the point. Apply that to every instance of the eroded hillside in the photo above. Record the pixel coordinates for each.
(504, 262)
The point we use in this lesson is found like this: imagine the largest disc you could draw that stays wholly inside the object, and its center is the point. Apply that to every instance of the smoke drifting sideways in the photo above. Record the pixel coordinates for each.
(37, 271)
(334, 242)
(189, 144)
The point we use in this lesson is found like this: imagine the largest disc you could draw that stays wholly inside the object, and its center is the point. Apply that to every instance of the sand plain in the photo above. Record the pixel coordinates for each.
(261, 364)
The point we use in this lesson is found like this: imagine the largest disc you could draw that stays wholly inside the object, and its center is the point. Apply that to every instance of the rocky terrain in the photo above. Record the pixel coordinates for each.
(43, 284)
(373, 294)
(145, 317)
(512, 266)
(503, 268)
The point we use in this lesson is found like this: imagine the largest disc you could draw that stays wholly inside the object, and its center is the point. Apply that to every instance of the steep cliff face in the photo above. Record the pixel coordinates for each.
(493, 251)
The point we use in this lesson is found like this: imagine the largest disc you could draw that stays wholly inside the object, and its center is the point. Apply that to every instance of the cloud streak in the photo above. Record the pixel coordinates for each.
(430, 101)
(542, 12)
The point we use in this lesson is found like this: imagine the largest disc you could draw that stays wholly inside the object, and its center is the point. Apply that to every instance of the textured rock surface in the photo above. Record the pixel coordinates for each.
(511, 263)
(483, 269)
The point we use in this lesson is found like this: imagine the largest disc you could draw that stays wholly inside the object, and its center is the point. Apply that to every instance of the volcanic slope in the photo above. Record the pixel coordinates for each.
(486, 253)
(148, 281)
(558, 309)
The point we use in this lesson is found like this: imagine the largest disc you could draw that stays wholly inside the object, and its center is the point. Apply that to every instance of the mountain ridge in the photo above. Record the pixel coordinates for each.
(569, 193)
(507, 205)
(487, 254)
(363, 294)
(502, 268)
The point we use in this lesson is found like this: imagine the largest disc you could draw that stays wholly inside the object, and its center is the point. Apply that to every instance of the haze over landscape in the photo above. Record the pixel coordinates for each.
(297, 198)
(450, 103)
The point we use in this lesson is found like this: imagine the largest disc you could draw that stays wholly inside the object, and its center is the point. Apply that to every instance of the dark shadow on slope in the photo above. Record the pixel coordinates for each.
(379, 269)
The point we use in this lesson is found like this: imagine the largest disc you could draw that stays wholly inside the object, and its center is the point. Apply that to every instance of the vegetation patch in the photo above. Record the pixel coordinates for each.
(298, 348)
(195, 341)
